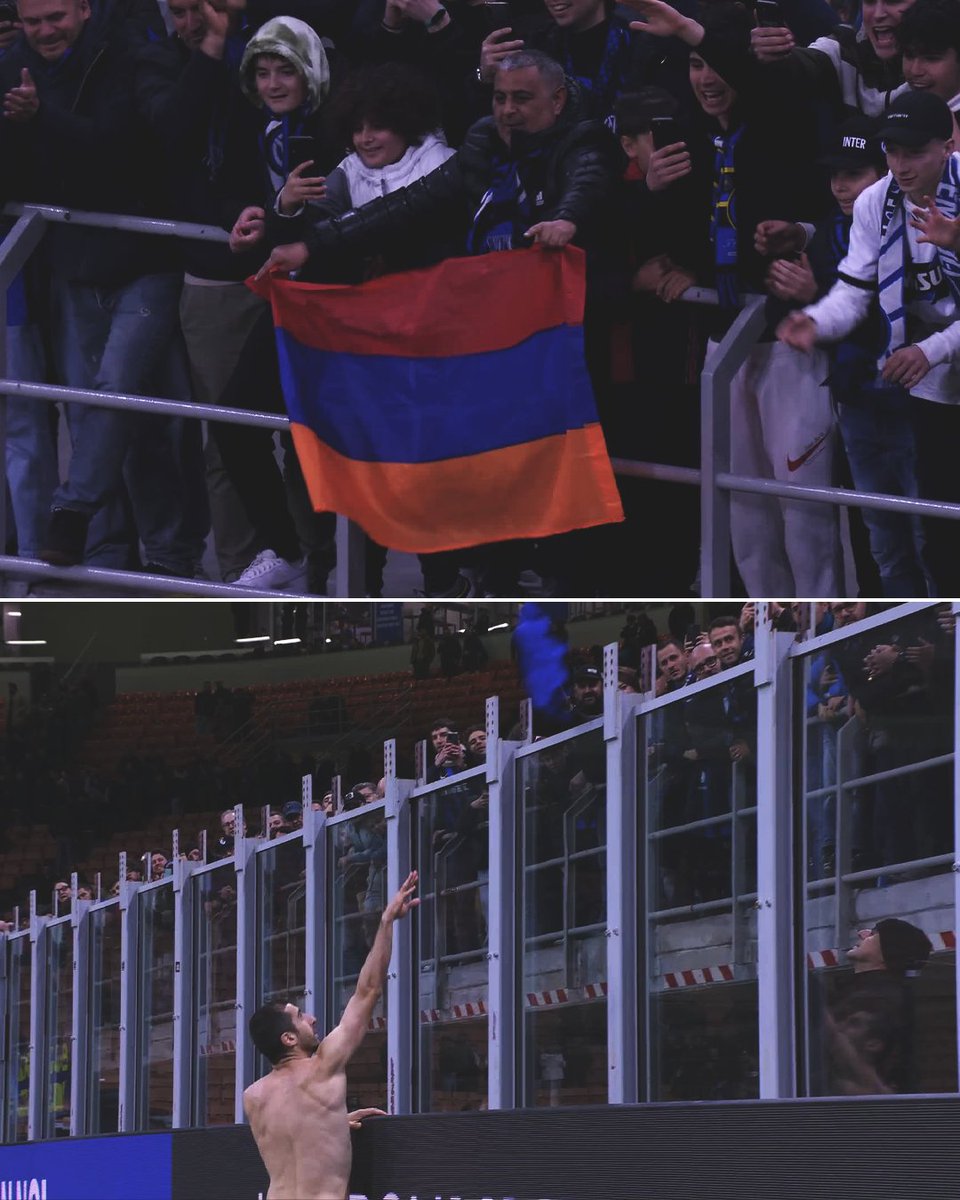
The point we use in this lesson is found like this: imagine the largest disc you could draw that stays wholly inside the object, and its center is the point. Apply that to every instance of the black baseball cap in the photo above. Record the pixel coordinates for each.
(855, 146)
(916, 118)
(586, 672)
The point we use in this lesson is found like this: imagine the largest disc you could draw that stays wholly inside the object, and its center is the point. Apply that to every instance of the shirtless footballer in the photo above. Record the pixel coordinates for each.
(298, 1113)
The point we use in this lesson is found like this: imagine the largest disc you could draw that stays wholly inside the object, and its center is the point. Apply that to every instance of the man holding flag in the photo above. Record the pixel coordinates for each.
(432, 427)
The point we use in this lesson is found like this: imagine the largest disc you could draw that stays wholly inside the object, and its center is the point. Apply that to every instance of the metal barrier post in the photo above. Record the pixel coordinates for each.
(718, 373)
(15, 249)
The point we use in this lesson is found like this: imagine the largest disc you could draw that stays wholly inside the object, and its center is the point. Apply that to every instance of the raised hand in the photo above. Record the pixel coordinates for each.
(403, 901)
(22, 103)
(934, 227)
(789, 280)
(495, 47)
(770, 44)
(662, 20)
(300, 189)
(667, 165)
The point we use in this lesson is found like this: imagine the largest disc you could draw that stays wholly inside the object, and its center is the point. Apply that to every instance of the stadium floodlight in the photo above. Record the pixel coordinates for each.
(287, 642)
(261, 637)
(502, 625)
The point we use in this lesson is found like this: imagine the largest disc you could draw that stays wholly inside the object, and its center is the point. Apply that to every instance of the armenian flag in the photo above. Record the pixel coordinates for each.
(450, 406)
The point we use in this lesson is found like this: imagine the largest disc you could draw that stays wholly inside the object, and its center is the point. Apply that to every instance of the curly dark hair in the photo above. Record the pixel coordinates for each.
(390, 96)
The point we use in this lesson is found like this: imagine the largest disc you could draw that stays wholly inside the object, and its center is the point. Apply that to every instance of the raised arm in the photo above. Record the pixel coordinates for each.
(339, 1046)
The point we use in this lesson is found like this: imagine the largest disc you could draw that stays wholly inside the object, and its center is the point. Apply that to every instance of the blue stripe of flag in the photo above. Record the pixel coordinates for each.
(403, 410)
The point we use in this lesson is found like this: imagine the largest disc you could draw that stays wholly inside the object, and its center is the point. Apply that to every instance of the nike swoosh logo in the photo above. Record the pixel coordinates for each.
(794, 464)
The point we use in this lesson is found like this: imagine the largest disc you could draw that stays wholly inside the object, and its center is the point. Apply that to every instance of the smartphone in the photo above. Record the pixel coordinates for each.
(666, 131)
(769, 15)
(453, 738)
(498, 14)
(302, 149)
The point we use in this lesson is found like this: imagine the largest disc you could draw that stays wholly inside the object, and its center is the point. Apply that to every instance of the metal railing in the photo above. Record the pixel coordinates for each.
(714, 478)
(15, 251)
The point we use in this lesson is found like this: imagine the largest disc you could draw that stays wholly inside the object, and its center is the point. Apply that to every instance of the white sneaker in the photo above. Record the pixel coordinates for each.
(269, 571)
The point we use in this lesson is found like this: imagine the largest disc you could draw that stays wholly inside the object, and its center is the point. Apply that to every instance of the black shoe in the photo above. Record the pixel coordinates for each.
(66, 537)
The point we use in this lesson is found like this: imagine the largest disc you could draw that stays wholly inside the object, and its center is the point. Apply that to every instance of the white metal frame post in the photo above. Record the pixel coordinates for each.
(955, 610)
(185, 1061)
(400, 1010)
(38, 991)
(621, 900)
(776, 957)
(621, 888)
(6, 1031)
(129, 953)
(244, 849)
(502, 916)
(315, 995)
(79, 1041)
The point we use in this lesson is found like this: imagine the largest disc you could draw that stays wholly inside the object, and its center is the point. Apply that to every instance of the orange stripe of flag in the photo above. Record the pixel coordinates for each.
(533, 490)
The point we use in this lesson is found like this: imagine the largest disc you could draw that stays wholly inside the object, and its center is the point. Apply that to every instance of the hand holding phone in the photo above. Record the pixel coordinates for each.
(670, 159)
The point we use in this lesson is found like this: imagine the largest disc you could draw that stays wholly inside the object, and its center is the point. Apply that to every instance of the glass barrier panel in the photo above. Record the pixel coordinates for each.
(281, 937)
(698, 792)
(103, 1021)
(154, 1047)
(56, 944)
(214, 996)
(562, 893)
(452, 858)
(875, 740)
(357, 882)
(16, 1092)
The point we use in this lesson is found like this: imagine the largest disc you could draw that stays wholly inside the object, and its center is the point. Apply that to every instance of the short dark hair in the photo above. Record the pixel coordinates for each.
(722, 623)
(441, 722)
(634, 112)
(670, 640)
(551, 72)
(929, 25)
(267, 1025)
(390, 96)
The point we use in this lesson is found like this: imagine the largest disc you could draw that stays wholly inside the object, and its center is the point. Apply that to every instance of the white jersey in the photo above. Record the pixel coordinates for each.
(930, 302)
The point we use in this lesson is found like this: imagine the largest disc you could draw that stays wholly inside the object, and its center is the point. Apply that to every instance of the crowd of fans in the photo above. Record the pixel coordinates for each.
(723, 148)
(701, 765)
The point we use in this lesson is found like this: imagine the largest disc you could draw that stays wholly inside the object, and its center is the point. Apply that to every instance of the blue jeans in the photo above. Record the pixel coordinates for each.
(879, 438)
(31, 447)
(127, 339)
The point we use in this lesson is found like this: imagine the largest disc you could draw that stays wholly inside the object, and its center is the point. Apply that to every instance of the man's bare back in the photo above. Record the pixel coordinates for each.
(298, 1113)
(298, 1116)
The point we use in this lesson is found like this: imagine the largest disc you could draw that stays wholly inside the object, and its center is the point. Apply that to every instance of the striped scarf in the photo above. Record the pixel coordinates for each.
(894, 254)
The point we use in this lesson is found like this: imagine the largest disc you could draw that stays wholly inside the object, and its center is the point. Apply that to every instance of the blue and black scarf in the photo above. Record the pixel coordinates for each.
(723, 218)
(601, 90)
(505, 212)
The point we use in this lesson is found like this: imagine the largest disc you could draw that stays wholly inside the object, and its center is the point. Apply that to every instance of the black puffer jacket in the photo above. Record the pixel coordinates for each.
(88, 149)
(569, 169)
